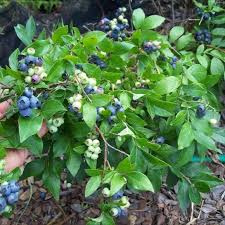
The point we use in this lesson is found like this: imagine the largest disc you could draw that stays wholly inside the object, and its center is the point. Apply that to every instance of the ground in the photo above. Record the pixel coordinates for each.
(146, 208)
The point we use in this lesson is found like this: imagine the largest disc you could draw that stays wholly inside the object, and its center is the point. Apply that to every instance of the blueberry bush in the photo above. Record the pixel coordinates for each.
(125, 111)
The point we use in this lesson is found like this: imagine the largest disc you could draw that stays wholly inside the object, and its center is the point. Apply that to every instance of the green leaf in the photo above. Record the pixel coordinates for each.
(92, 185)
(205, 140)
(218, 31)
(101, 99)
(184, 41)
(34, 144)
(31, 28)
(33, 168)
(92, 38)
(52, 183)
(51, 107)
(217, 66)
(152, 22)
(139, 181)
(73, 162)
(138, 18)
(117, 182)
(125, 166)
(175, 33)
(179, 119)
(13, 60)
(203, 60)
(126, 131)
(58, 33)
(196, 73)
(89, 114)
(29, 126)
(125, 100)
(167, 85)
(22, 34)
(186, 136)
(41, 47)
(194, 195)
(182, 195)
(123, 47)
(56, 71)
(61, 145)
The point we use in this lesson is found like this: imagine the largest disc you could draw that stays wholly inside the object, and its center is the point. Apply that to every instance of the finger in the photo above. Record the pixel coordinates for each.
(43, 130)
(14, 159)
(4, 106)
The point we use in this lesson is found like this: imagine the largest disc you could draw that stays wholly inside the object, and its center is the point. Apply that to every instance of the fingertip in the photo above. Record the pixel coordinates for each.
(43, 130)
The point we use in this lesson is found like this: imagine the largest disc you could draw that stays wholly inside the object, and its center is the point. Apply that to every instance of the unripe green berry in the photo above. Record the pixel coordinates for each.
(30, 71)
(38, 70)
(88, 154)
(106, 192)
(92, 81)
(213, 122)
(78, 97)
(50, 121)
(28, 79)
(88, 142)
(43, 75)
(96, 143)
(30, 51)
(71, 100)
(91, 149)
(94, 156)
(53, 129)
(137, 84)
(124, 200)
(82, 76)
(58, 122)
(118, 82)
(68, 185)
(97, 150)
(121, 18)
(101, 110)
(114, 212)
(125, 206)
(77, 105)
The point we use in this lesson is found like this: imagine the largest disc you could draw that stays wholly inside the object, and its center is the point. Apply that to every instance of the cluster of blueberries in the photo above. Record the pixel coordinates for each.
(113, 109)
(203, 15)
(93, 149)
(123, 201)
(27, 102)
(117, 26)
(54, 124)
(151, 47)
(97, 61)
(201, 111)
(33, 67)
(203, 36)
(9, 195)
(173, 62)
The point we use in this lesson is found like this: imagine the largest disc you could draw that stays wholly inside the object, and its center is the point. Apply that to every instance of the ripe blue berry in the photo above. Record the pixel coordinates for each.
(26, 112)
(160, 140)
(30, 59)
(112, 109)
(23, 102)
(34, 102)
(14, 186)
(118, 195)
(45, 95)
(89, 89)
(13, 198)
(5, 190)
(23, 67)
(201, 111)
(42, 196)
(38, 62)
(28, 92)
(2, 204)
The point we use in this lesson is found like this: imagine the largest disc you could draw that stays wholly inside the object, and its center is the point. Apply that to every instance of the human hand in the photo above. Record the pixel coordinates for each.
(16, 158)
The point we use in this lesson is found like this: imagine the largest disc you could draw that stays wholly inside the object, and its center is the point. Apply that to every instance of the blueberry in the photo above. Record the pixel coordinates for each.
(2, 204)
(23, 67)
(12, 198)
(89, 89)
(102, 65)
(114, 36)
(121, 109)
(26, 112)
(118, 195)
(123, 213)
(33, 102)
(174, 59)
(45, 95)
(65, 76)
(174, 65)
(201, 111)
(35, 79)
(206, 16)
(123, 35)
(42, 195)
(38, 62)
(39, 104)
(118, 104)
(112, 109)
(28, 92)
(5, 190)
(160, 140)
(23, 102)
(70, 108)
(14, 186)
(30, 59)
